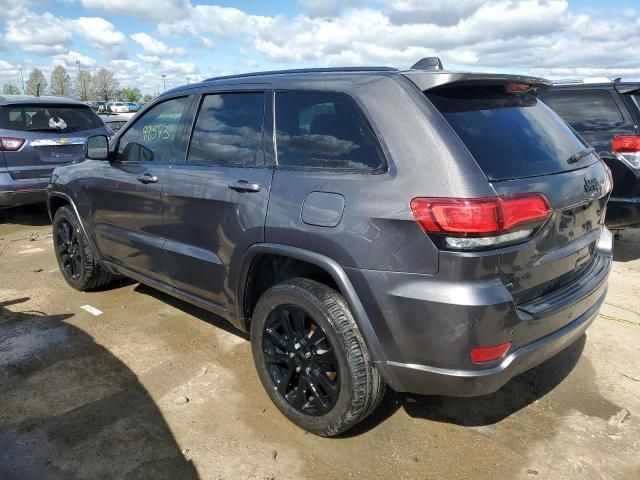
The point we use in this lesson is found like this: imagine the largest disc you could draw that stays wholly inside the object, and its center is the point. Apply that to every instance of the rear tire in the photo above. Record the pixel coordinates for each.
(76, 259)
(311, 358)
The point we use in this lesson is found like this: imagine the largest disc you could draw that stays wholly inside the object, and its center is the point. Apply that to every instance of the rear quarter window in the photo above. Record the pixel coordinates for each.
(510, 135)
(325, 131)
(585, 110)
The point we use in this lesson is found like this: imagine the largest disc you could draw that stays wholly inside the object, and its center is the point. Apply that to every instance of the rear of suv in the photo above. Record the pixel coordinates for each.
(431, 231)
(36, 135)
(607, 115)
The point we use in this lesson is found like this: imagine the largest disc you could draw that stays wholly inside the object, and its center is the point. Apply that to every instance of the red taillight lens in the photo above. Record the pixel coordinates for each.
(626, 144)
(487, 354)
(479, 216)
(10, 144)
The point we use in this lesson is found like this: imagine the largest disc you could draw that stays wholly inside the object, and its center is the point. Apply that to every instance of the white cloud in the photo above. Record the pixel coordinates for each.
(27, 32)
(99, 32)
(156, 47)
(13, 8)
(68, 61)
(147, 10)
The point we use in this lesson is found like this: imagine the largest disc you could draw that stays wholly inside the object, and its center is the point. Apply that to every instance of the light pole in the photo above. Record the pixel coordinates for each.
(78, 64)
(164, 84)
(22, 77)
(188, 80)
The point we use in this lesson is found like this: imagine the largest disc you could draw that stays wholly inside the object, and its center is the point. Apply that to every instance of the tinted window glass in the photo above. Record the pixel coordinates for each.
(509, 135)
(324, 130)
(585, 109)
(48, 118)
(228, 130)
(153, 138)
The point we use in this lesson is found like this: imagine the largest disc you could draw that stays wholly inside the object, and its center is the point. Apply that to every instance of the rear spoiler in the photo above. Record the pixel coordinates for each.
(628, 88)
(428, 81)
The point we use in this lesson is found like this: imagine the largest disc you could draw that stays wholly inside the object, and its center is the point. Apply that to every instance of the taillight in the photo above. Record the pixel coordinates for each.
(488, 354)
(627, 147)
(10, 144)
(518, 87)
(471, 223)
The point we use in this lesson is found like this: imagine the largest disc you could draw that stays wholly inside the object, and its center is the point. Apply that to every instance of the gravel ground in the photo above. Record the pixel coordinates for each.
(155, 388)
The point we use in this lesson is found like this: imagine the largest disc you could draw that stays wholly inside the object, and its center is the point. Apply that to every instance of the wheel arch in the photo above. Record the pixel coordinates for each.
(339, 280)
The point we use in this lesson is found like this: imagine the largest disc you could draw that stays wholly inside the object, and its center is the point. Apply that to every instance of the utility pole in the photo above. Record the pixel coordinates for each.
(164, 84)
(188, 80)
(22, 77)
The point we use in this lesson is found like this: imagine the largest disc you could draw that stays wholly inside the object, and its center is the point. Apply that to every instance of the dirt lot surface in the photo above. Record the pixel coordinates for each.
(154, 388)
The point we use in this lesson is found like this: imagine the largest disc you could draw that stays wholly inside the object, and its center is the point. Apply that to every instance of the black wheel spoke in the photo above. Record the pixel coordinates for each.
(317, 336)
(285, 321)
(301, 393)
(283, 384)
(297, 321)
(275, 339)
(277, 358)
(326, 357)
(331, 388)
(75, 261)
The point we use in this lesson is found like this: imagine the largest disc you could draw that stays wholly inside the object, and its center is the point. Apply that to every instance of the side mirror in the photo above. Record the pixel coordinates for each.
(96, 147)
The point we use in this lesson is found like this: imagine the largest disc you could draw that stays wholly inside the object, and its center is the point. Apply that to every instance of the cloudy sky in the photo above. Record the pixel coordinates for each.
(140, 40)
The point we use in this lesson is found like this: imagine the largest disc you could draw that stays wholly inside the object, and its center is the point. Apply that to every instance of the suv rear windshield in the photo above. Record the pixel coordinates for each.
(585, 110)
(510, 135)
(48, 118)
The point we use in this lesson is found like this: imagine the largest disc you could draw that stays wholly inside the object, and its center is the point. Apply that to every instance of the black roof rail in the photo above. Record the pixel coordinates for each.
(428, 63)
(305, 70)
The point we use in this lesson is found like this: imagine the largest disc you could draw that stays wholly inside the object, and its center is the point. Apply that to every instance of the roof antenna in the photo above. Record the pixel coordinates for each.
(428, 63)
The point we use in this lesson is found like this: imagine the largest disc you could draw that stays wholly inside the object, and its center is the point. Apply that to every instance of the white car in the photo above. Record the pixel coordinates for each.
(118, 107)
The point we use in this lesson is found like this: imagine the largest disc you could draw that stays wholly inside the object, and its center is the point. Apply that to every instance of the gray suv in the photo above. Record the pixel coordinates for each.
(430, 231)
(36, 135)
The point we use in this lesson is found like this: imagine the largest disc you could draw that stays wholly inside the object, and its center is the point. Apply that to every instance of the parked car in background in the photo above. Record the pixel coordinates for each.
(97, 106)
(117, 107)
(607, 115)
(114, 121)
(422, 229)
(133, 107)
(36, 135)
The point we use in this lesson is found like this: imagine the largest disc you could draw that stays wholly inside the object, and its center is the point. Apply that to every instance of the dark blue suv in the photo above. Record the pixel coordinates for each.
(36, 135)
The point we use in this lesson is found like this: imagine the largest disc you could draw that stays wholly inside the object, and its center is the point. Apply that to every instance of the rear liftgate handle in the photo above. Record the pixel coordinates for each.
(147, 178)
(244, 186)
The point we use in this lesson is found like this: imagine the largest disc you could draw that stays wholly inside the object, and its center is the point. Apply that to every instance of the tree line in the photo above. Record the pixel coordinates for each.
(101, 85)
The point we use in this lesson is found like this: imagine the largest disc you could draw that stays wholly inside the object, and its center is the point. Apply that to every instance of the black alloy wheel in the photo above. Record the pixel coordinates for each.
(301, 360)
(69, 249)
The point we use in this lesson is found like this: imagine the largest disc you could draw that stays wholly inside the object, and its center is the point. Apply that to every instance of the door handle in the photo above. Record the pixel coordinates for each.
(147, 178)
(244, 186)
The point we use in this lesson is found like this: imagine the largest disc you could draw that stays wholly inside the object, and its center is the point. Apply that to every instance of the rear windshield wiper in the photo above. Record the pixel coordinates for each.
(576, 157)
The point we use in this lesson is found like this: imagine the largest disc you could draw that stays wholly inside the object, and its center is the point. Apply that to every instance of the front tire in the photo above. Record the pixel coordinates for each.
(311, 358)
(76, 259)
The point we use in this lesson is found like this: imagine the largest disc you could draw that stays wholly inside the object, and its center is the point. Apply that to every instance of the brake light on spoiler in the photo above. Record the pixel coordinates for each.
(476, 223)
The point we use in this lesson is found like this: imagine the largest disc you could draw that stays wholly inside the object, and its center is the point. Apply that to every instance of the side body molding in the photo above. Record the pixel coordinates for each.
(338, 275)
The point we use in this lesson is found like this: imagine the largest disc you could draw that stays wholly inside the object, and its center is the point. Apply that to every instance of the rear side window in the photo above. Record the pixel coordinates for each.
(319, 130)
(228, 130)
(510, 135)
(48, 118)
(585, 110)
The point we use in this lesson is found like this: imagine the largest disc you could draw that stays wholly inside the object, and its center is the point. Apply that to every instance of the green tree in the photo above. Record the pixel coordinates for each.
(147, 98)
(105, 86)
(60, 82)
(83, 85)
(131, 94)
(10, 89)
(36, 83)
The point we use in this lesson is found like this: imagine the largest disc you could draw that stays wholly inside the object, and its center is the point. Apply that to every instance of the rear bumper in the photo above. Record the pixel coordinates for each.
(20, 192)
(427, 380)
(428, 326)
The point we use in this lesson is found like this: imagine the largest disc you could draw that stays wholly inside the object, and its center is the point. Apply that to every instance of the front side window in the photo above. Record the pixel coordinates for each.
(328, 131)
(585, 110)
(228, 130)
(155, 136)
